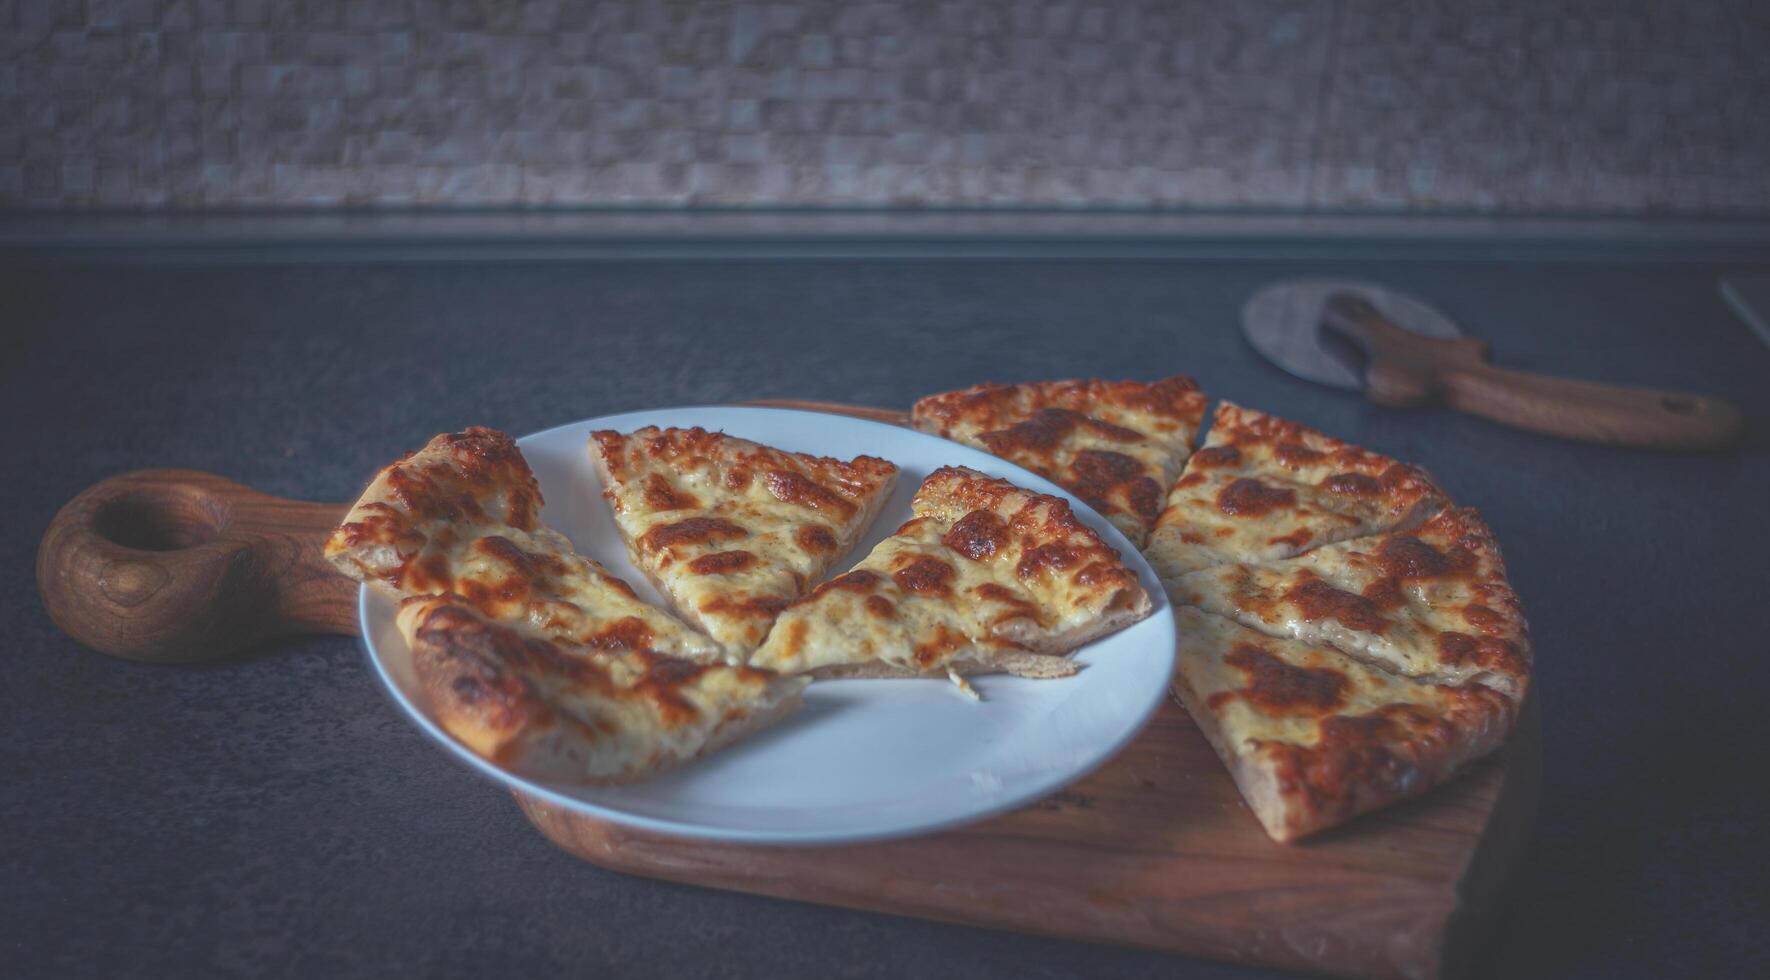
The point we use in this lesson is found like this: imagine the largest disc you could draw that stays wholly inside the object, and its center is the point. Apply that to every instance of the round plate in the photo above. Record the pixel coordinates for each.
(862, 759)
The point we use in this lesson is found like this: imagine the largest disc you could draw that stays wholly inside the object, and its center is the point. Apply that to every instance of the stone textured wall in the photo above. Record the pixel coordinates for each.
(1619, 106)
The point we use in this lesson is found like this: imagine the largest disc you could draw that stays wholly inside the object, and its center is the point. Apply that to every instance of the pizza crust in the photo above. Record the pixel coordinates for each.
(569, 714)
(1117, 445)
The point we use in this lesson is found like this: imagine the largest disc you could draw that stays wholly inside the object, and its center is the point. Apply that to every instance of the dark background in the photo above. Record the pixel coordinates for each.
(277, 815)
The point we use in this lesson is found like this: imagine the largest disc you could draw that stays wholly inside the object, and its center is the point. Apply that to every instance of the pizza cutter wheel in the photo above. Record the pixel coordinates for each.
(1405, 354)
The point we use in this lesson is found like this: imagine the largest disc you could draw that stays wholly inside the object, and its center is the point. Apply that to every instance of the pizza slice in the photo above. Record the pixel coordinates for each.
(461, 516)
(732, 531)
(1314, 738)
(1263, 488)
(572, 713)
(1431, 604)
(1118, 445)
(985, 577)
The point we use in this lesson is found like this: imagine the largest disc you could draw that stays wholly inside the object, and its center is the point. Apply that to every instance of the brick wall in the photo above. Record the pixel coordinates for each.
(1284, 104)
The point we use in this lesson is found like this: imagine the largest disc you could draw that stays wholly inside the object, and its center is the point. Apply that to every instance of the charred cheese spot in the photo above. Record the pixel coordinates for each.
(880, 606)
(695, 530)
(663, 686)
(1211, 456)
(1247, 497)
(527, 564)
(1283, 689)
(928, 576)
(1484, 619)
(660, 495)
(859, 581)
(1405, 557)
(629, 633)
(938, 647)
(1017, 608)
(1351, 485)
(816, 539)
(758, 607)
(431, 573)
(1317, 600)
(1046, 558)
(721, 563)
(1296, 539)
(1296, 454)
(737, 478)
(1487, 652)
(1189, 480)
(1098, 475)
(795, 488)
(978, 535)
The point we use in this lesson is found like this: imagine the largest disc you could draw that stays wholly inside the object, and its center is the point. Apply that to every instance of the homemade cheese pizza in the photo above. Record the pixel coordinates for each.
(573, 713)
(1431, 604)
(1264, 488)
(985, 577)
(1313, 737)
(1118, 445)
(460, 516)
(534, 656)
(1340, 645)
(732, 531)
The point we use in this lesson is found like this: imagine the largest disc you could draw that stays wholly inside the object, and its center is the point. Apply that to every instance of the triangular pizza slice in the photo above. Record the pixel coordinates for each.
(1118, 445)
(730, 530)
(1264, 488)
(572, 713)
(461, 516)
(985, 577)
(1313, 737)
(1431, 603)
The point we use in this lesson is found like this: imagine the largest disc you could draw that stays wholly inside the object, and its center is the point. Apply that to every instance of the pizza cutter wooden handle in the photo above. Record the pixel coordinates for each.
(177, 566)
(1407, 370)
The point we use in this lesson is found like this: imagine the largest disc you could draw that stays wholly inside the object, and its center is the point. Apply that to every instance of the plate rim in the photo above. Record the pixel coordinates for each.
(1036, 790)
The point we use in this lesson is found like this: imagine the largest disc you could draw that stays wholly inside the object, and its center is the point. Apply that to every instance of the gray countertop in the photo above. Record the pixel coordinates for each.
(277, 815)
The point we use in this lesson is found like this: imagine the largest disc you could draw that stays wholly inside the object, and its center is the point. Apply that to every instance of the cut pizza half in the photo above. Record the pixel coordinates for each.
(570, 713)
(1431, 604)
(461, 516)
(985, 577)
(1118, 445)
(1264, 488)
(1313, 737)
(730, 530)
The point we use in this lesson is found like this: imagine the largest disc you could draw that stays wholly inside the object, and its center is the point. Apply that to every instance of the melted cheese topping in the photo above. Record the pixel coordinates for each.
(982, 567)
(1263, 489)
(1315, 737)
(1116, 445)
(566, 712)
(1431, 604)
(731, 530)
(460, 516)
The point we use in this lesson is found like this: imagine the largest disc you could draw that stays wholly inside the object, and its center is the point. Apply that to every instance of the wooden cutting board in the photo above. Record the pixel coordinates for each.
(1154, 850)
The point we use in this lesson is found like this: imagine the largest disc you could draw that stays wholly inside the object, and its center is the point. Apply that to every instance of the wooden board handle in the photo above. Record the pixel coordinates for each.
(177, 566)
(1407, 370)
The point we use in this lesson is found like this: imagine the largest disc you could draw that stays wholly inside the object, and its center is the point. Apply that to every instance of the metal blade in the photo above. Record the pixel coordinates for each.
(1283, 321)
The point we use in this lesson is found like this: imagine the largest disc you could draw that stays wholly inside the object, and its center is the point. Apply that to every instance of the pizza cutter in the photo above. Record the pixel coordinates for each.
(1405, 354)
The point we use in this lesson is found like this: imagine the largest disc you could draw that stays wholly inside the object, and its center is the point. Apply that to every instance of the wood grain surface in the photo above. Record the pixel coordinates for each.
(1155, 849)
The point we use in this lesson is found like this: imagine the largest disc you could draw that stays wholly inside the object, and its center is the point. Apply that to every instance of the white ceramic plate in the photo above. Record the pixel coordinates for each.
(863, 759)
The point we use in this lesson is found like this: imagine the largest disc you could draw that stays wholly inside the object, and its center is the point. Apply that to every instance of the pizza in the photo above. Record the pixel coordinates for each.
(1431, 604)
(1313, 737)
(732, 531)
(572, 713)
(1117, 445)
(984, 577)
(461, 516)
(1263, 488)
